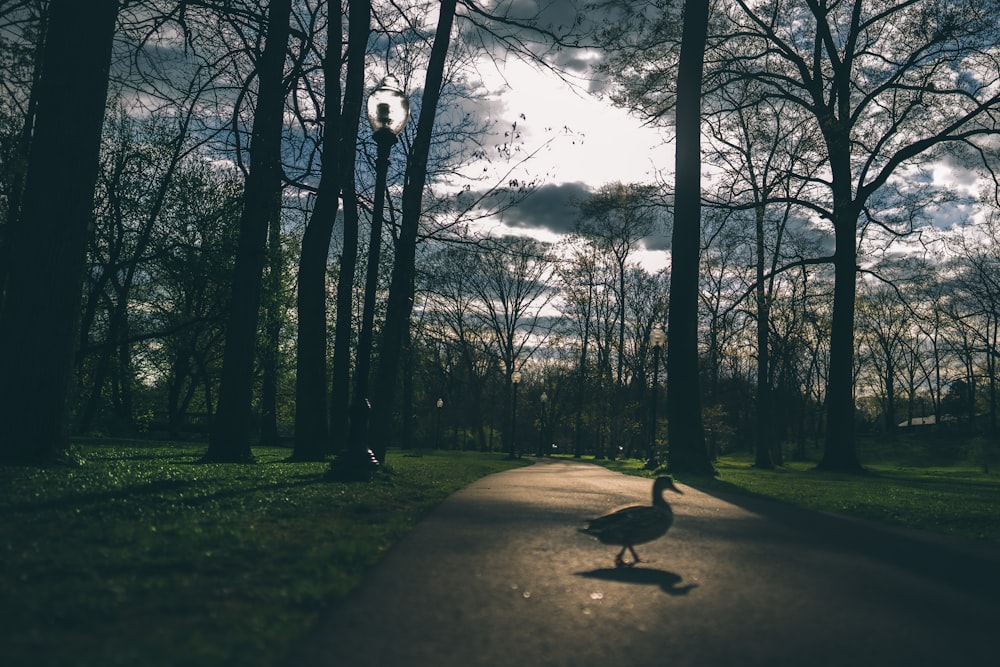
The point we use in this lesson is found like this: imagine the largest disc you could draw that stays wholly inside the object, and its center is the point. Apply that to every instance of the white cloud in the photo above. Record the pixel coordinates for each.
(604, 143)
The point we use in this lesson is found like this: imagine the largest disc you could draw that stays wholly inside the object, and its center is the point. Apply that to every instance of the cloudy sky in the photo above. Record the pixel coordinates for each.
(604, 144)
(585, 141)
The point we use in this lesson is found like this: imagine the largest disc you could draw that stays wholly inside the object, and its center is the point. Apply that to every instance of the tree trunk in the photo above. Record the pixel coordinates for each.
(41, 310)
(311, 417)
(765, 421)
(272, 339)
(890, 395)
(358, 439)
(230, 437)
(85, 418)
(310, 366)
(581, 388)
(124, 407)
(408, 426)
(400, 301)
(359, 27)
(991, 369)
(839, 449)
(839, 452)
(686, 435)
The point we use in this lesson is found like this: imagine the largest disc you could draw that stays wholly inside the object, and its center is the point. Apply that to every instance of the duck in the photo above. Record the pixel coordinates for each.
(634, 525)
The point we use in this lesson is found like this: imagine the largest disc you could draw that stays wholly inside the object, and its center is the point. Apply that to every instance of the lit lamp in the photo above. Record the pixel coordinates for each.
(656, 340)
(388, 111)
(515, 379)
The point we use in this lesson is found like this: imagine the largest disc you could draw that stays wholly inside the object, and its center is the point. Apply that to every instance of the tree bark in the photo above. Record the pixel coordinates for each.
(686, 435)
(311, 416)
(41, 310)
(359, 27)
(358, 441)
(400, 301)
(271, 354)
(839, 453)
(581, 391)
(765, 424)
(230, 437)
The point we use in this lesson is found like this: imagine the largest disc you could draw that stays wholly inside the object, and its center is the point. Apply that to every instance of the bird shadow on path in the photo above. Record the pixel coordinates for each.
(667, 581)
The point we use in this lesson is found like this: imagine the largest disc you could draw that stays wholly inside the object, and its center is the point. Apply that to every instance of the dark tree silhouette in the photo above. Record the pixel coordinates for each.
(358, 29)
(41, 309)
(230, 437)
(270, 353)
(881, 85)
(311, 435)
(401, 287)
(686, 434)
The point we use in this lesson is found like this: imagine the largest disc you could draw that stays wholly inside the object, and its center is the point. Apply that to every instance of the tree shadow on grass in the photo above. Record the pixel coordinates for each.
(667, 581)
(960, 563)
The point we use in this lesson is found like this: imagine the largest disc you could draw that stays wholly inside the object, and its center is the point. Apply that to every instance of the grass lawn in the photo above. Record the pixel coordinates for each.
(143, 556)
(955, 500)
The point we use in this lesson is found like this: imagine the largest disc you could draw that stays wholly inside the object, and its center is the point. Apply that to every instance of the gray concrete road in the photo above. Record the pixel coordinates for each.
(498, 575)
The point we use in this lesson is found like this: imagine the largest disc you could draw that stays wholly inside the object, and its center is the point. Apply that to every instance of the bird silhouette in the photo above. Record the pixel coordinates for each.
(637, 524)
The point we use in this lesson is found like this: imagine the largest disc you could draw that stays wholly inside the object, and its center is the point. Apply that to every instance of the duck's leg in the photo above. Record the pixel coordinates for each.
(619, 561)
(635, 556)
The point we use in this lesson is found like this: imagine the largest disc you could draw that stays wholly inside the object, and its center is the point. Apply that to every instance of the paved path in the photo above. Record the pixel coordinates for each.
(498, 575)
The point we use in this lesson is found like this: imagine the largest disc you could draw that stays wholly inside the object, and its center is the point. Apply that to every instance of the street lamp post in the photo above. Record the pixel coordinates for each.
(388, 111)
(544, 398)
(515, 379)
(437, 428)
(656, 339)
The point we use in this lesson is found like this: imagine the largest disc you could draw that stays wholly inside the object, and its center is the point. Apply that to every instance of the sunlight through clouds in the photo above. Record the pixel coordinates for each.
(604, 143)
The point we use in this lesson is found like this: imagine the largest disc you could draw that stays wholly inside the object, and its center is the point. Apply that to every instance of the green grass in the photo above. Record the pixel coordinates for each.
(144, 556)
(955, 500)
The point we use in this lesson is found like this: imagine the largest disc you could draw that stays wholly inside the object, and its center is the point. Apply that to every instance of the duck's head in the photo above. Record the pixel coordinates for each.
(662, 484)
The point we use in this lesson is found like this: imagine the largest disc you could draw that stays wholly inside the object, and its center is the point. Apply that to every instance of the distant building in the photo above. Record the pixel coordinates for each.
(930, 420)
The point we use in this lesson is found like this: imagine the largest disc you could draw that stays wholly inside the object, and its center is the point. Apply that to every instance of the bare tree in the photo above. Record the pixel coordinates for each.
(756, 152)
(401, 289)
(313, 420)
(882, 86)
(453, 319)
(511, 286)
(883, 328)
(230, 438)
(581, 280)
(617, 218)
(879, 84)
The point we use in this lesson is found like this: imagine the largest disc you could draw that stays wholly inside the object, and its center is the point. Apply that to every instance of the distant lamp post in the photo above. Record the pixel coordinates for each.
(388, 111)
(437, 428)
(544, 398)
(515, 379)
(656, 339)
